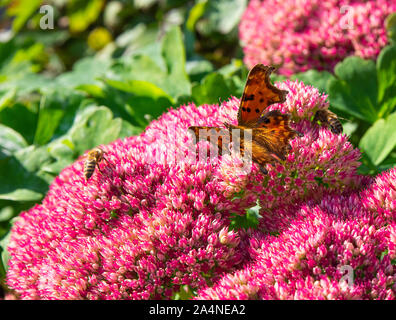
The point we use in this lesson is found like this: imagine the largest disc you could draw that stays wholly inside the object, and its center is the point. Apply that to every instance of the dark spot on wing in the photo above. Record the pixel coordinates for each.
(249, 97)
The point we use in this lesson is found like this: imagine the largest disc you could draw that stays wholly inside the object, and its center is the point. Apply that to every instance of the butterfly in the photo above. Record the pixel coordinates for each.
(270, 132)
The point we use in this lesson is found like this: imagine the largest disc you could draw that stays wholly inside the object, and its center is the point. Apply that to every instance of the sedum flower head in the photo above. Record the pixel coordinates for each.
(137, 231)
(380, 196)
(329, 250)
(305, 34)
(155, 218)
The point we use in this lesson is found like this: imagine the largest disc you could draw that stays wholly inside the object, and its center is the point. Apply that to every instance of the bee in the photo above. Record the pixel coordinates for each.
(329, 119)
(93, 158)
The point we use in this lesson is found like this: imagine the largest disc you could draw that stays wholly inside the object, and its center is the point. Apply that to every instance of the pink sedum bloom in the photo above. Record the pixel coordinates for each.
(312, 34)
(329, 250)
(380, 197)
(155, 218)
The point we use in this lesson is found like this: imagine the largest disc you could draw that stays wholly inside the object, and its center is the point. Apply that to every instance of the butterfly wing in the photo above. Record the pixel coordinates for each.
(260, 154)
(269, 141)
(274, 134)
(258, 94)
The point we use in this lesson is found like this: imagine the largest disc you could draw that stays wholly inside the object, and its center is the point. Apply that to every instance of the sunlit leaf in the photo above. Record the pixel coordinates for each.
(82, 13)
(380, 139)
(354, 90)
(386, 66)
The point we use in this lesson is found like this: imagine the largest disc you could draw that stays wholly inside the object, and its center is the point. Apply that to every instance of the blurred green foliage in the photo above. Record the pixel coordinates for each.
(107, 68)
(84, 27)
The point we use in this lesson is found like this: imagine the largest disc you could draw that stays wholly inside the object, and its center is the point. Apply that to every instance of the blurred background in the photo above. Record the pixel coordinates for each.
(79, 73)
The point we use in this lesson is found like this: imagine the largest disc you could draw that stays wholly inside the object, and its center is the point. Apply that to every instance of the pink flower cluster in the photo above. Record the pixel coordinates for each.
(155, 219)
(304, 34)
(341, 247)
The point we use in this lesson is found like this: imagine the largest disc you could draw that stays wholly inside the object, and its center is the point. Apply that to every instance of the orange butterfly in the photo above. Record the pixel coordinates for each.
(270, 132)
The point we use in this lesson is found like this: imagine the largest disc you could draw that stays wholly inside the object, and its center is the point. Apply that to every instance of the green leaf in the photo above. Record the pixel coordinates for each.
(143, 68)
(175, 59)
(6, 98)
(25, 82)
(390, 25)
(140, 88)
(19, 174)
(48, 121)
(10, 140)
(212, 89)
(380, 139)
(143, 98)
(185, 293)
(62, 150)
(21, 194)
(18, 64)
(4, 255)
(386, 66)
(6, 213)
(137, 38)
(249, 220)
(389, 162)
(221, 16)
(23, 10)
(354, 90)
(198, 68)
(21, 118)
(72, 103)
(92, 127)
(196, 12)
(349, 128)
(140, 67)
(318, 79)
(82, 13)
(239, 195)
(92, 90)
(220, 85)
(161, 63)
(85, 71)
